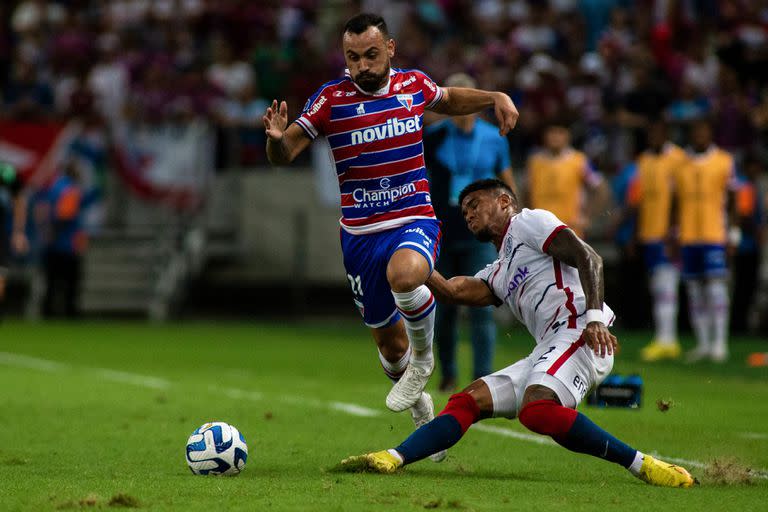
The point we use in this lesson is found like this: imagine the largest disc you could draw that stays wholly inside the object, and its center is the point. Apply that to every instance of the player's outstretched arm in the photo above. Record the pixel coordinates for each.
(463, 290)
(284, 142)
(572, 250)
(459, 101)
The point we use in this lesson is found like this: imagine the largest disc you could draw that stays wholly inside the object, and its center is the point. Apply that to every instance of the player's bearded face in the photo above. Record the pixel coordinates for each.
(368, 58)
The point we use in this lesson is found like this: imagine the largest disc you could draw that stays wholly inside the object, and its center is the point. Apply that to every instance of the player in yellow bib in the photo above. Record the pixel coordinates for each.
(650, 198)
(558, 176)
(704, 187)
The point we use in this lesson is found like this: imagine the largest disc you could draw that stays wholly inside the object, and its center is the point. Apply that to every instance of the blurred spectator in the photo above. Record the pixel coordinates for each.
(13, 201)
(746, 261)
(226, 73)
(241, 116)
(26, 96)
(558, 177)
(65, 245)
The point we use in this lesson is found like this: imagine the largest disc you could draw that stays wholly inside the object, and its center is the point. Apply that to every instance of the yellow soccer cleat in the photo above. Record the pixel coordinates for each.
(656, 351)
(664, 474)
(377, 462)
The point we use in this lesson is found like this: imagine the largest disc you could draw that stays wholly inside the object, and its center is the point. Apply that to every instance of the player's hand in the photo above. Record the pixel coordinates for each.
(597, 337)
(276, 120)
(19, 242)
(506, 113)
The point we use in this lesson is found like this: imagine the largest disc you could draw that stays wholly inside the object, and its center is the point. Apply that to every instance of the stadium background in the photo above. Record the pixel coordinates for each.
(188, 223)
(158, 105)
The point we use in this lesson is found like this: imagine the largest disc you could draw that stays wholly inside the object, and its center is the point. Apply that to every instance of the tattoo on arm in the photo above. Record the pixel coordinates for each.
(573, 251)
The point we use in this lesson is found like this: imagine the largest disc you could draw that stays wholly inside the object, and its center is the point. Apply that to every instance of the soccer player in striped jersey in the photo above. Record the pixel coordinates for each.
(553, 283)
(373, 119)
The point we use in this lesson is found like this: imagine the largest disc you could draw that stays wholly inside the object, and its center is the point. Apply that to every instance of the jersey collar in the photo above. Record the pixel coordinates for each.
(381, 92)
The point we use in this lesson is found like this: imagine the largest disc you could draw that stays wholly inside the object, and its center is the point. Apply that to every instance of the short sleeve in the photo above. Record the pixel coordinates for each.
(431, 91)
(504, 159)
(487, 275)
(315, 113)
(537, 228)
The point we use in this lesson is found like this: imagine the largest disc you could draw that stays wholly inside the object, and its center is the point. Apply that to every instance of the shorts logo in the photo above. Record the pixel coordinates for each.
(405, 100)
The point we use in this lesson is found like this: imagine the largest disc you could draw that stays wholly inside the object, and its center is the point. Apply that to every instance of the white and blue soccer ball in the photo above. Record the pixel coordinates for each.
(216, 448)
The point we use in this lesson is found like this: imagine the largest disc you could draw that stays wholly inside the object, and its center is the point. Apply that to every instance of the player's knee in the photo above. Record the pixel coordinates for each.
(464, 408)
(406, 271)
(547, 417)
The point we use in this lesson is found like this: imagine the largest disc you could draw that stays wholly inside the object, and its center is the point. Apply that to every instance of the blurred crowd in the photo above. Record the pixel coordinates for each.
(608, 65)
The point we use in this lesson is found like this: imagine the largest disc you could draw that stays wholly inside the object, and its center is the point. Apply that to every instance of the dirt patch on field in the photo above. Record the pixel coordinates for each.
(729, 471)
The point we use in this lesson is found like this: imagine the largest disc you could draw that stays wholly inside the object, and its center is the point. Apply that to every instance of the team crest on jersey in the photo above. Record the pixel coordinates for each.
(508, 247)
(405, 100)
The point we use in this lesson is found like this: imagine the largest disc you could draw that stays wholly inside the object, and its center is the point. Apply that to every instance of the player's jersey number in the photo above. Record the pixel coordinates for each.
(356, 284)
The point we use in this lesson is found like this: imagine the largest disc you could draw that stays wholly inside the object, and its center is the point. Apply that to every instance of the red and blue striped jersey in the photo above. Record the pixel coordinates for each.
(376, 141)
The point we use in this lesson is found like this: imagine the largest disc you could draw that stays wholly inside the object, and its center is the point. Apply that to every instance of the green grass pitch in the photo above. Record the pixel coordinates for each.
(96, 416)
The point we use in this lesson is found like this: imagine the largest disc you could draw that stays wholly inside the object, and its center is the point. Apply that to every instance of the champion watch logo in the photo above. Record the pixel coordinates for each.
(405, 100)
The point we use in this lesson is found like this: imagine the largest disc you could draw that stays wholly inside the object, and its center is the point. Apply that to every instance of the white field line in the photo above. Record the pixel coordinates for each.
(136, 379)
(23, 361)
(753, 435)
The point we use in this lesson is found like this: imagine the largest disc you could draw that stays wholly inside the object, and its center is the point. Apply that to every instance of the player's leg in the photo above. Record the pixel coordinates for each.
(482, 325)
(664, 279)
(463, 409)
(408, 268)
(562, 375)
(698, 309)
(495, 395)
(446, 328)
(718, 301)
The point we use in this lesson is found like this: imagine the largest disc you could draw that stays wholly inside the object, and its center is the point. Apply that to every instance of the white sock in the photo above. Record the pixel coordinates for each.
(395, 370)
(634, 468)
(396, 455)
(418, 310)
(664, 282)
(699, 311)
(719, 308)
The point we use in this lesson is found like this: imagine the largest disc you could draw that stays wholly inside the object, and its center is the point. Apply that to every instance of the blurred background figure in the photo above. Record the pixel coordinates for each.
(704, 188)
(750, 210)
(459, 151)
(13, 207)
(559, 179)
(651, 201)
(65, 245)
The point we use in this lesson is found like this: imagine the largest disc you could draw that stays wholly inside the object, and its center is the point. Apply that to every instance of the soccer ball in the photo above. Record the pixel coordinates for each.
(216, 449)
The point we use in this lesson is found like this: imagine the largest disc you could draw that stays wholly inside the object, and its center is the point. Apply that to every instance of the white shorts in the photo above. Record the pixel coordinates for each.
(562, 363)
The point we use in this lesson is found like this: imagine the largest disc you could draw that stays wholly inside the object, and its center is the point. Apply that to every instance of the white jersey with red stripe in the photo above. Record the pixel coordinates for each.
(542, 292)
(376, 142)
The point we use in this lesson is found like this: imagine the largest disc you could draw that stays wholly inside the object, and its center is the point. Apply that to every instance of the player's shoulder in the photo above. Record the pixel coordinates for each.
(532, 218)
(331, 88)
